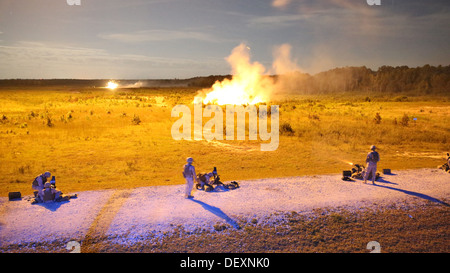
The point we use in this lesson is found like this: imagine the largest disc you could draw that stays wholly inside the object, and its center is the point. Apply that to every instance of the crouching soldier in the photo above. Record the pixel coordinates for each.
(39, 182)
(46, 191)
(447, 169)
(446, 166)
(49, 194)
(204, 180)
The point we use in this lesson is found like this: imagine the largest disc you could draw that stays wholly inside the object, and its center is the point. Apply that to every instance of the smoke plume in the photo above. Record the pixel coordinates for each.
(251, 82)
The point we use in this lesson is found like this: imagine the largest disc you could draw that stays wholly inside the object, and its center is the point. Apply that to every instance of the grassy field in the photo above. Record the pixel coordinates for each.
(95, 138)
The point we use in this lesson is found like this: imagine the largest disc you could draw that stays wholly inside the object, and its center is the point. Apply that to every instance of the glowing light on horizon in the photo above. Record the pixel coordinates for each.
(112, 85)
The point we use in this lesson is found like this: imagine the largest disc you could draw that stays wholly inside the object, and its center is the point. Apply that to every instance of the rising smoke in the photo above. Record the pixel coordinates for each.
(251, 82)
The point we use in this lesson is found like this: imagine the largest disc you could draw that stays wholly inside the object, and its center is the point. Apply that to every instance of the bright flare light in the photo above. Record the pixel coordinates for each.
(112, 85)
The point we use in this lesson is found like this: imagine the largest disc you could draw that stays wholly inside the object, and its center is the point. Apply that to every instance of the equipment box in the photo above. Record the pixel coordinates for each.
(347, 173)
(14, 195)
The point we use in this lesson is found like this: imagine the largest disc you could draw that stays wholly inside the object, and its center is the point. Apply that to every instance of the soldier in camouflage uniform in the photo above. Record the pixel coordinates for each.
(190, 176)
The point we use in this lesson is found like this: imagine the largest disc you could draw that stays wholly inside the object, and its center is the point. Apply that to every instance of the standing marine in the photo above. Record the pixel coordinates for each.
(190, 175)
(372, 159)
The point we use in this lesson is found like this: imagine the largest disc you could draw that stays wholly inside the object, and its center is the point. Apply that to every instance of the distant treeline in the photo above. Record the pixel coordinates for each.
(201, 82)
(387, 79)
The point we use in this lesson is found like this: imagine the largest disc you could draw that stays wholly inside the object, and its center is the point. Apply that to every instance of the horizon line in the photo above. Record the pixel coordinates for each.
(220, 75)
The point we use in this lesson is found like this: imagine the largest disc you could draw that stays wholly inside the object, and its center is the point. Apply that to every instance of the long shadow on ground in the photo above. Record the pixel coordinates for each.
(52, 206)
(413, 193)
(218, 212)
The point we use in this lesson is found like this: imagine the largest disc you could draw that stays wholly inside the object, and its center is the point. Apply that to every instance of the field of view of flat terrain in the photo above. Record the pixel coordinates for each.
(95, 138)
(274, 126)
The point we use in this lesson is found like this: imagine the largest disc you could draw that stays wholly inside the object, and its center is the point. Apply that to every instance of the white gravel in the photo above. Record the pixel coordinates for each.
(150, 212)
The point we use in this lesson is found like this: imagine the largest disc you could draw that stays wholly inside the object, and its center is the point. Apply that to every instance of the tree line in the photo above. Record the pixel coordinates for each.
(387, 79)
(422, 80)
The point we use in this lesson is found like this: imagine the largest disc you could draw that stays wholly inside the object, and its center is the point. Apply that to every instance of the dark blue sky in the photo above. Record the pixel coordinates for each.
(139, 39)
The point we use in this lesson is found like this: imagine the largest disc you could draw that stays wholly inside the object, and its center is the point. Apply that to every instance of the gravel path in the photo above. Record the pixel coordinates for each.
(131, 215)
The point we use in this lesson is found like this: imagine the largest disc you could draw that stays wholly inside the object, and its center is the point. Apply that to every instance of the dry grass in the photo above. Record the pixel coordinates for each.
(98, 139)
(327, 231)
